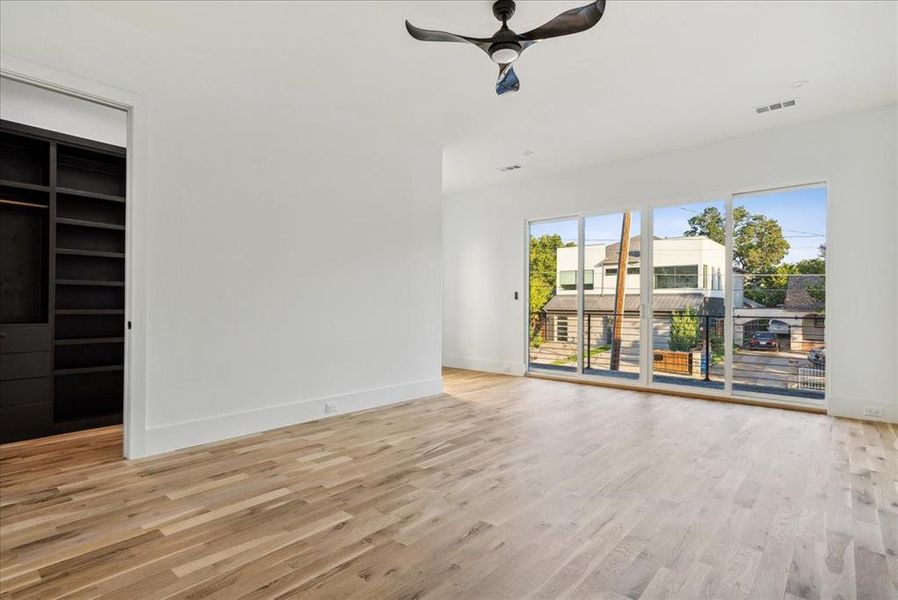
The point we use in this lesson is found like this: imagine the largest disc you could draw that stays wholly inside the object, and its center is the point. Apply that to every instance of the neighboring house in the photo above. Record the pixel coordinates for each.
(685, 263)
(799, 320)
(688, 274)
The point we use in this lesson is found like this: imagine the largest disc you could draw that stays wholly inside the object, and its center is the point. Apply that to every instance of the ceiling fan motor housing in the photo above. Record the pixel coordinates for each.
(503, 9)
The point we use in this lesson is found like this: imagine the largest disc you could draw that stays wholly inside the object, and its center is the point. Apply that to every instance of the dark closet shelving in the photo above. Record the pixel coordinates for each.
(82, 370)
(24, 186)
(82, 341)
(89, 311)
(72, 252)
(83, 223)
(62, 205)
(94, 282)
(92, 195)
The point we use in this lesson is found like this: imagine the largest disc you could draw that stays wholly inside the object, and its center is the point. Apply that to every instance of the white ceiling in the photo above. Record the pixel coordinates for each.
(650, 76)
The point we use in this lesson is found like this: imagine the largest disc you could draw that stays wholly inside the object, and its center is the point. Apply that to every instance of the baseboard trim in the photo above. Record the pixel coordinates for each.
(853, 408)
(489, 366)
(683, 394)
(202, 431)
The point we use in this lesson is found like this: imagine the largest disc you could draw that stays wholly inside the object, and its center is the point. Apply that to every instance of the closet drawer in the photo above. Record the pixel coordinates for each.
(25, 421)
(24, 338)
(26, 391)
(24, 366)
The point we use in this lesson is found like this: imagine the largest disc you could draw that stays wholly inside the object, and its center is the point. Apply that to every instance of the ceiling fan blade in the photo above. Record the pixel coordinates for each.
(508, 80)
(572, 21)
(429, 35)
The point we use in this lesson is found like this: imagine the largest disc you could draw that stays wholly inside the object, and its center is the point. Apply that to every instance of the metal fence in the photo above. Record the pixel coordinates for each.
(772, 353)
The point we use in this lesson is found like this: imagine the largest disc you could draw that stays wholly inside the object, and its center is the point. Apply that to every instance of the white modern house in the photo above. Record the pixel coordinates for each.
(694, 264)
(689, 273)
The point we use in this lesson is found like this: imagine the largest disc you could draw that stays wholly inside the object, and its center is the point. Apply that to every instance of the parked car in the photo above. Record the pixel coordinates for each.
(763, 340)
(778, 326)
(817, 356)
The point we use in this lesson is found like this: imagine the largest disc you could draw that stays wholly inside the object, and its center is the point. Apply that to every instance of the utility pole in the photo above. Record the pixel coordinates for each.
(623, 255)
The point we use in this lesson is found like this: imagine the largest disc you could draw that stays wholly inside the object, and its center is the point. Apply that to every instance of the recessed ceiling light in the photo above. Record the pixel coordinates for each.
(799, 83)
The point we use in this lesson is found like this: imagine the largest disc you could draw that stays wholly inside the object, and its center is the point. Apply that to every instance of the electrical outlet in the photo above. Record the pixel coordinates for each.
(330, 407)
(506, 368)
(873, 412)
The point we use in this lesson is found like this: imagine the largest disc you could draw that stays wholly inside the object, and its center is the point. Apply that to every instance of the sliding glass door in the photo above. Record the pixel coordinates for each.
(611, 296)
(584, 296)
(688, 290)
(553, 295)
(724, 297)
(779, 294)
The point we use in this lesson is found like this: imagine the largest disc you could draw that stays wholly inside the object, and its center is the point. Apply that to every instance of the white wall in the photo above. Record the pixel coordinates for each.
(289, 247)
(38, 107)
(484, 240)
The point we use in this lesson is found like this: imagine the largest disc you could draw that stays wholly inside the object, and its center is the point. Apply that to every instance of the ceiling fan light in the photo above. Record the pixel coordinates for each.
(505, 53)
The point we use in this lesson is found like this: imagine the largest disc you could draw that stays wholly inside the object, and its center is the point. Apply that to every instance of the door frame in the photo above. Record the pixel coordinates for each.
(134, 393)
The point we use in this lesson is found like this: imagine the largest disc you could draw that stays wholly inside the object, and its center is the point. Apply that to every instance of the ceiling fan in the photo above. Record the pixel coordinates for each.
(506, 46)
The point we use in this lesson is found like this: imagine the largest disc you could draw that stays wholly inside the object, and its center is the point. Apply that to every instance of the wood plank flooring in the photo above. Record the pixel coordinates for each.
(503, 487)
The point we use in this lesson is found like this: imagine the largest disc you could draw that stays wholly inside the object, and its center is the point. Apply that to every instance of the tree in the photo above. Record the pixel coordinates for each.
(758, 242)
(769, 290)
(815, 266)
(758, 249)
(684, 330)
(543, 261)
(709, 223)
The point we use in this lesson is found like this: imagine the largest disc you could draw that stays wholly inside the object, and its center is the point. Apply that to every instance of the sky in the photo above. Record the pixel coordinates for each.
(801, 213)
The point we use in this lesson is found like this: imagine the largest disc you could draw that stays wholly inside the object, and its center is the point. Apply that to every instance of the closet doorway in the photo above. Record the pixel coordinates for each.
(63, 284)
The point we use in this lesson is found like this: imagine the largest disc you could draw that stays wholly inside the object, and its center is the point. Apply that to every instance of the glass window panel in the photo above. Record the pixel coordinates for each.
(779, 299)
(553, 296)
(611, 340)
(567, 279)
(688, 315)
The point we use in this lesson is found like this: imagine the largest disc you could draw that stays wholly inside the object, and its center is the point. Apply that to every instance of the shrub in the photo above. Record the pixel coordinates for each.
(684, 329)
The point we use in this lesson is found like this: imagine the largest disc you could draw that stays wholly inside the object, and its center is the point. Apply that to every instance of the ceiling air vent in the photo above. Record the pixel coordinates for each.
(775, 106)
(509, 168)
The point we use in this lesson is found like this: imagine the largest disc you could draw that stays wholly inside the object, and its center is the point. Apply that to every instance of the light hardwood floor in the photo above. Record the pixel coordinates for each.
(503, 487)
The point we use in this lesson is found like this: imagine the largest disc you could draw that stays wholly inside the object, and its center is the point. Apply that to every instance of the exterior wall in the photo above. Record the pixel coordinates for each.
(684, 251)
(566, 260)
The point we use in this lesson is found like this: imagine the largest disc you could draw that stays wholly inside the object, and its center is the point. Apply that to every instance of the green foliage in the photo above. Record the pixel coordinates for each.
(759, 245)
(684, 330)
(758, 250)
(811, 266)
(817, 292)
(543, 261)
(815, 266)
(572, 360)
(771, 290)
(536, 340)
(709, 223)
(716, 342)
